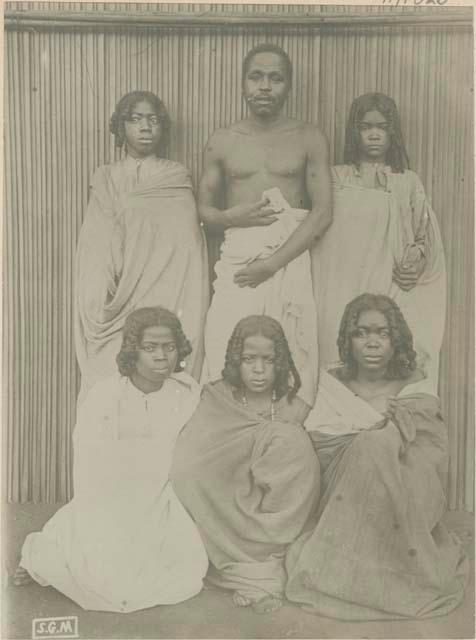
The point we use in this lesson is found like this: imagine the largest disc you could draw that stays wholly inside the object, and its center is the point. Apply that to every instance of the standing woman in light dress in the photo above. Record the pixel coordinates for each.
(385, 237)
(141, 243)
(125, 542)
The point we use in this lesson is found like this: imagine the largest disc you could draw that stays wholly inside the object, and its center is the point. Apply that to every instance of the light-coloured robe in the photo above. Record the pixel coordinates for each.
(124, 542)
(287, 297)
(370, 230)
(140, 245)
(379, 549)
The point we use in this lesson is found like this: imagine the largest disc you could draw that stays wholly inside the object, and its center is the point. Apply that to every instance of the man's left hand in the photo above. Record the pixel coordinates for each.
(254, 274)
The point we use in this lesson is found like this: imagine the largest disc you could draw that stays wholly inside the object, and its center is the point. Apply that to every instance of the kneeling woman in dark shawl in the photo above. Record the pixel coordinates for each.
(245, 468)
(379, 550)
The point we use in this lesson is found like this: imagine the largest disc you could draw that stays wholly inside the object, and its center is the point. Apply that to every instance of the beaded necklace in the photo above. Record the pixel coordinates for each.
(244, 400)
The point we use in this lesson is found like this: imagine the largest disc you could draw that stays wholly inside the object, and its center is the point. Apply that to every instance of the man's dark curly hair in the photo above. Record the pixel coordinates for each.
(267, 47)
(403, 361)
(136, 323)
(124, 109)
(284, 366)
(396, 157)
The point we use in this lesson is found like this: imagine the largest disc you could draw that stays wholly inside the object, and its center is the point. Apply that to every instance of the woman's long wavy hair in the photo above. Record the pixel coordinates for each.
(403, 361)
(136, 323)
(397, 156)
(285, 368)
(124, 109)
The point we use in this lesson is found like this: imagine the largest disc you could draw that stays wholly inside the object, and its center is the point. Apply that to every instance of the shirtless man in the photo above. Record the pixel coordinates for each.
(266, 150)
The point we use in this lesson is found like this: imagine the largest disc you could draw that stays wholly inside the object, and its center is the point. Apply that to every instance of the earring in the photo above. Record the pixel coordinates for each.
(182, 364)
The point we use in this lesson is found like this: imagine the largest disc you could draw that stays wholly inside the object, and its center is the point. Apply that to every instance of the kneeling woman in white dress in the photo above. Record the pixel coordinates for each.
(125, 542)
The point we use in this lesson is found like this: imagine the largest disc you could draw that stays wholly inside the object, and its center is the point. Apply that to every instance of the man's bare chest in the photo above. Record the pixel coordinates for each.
(248, 157)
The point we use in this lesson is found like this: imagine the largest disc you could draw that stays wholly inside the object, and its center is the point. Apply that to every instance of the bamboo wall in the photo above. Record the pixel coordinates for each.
(61, 85)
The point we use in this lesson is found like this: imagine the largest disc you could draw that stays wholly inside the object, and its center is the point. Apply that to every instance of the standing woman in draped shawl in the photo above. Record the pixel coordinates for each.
(379, 550)
(141, 243)
(385, 237)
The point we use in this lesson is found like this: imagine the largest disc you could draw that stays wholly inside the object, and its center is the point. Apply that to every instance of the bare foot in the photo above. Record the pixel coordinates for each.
(240, 600)
(268, 604)
(21, 577)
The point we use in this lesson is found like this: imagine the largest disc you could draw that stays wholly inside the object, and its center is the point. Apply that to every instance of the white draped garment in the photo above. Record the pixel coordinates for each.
(124, 542)
(287, 297)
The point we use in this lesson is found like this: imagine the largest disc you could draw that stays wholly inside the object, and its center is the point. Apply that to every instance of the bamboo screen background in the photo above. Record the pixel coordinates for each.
(61, 85)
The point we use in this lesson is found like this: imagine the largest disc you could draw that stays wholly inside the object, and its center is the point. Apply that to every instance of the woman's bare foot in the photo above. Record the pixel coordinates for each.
(21, 577)
(240, 600)
(268, 604)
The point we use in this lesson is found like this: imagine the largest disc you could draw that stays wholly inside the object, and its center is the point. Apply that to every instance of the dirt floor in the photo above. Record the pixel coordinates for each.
(211, 613)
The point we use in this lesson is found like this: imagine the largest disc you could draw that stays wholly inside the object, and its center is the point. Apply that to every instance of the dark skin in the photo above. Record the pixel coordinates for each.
(142, 131)
(258, 374)
(266, 150)
(373, 351)
(407, 273)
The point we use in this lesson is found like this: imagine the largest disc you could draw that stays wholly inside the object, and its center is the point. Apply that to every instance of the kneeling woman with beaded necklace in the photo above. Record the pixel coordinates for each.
(245, 468)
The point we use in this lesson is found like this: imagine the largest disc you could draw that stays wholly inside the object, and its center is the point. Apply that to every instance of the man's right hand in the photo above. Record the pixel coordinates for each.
(254, 214)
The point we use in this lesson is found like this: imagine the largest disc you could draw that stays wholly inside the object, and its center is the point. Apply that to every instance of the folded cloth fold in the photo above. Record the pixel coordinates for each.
(287, 297)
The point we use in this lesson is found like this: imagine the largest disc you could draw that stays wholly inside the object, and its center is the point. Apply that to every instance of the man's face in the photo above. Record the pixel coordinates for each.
(266, 84)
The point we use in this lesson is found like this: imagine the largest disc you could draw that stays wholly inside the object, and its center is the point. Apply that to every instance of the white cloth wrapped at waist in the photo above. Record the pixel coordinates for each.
(287, 296)
(244, 244)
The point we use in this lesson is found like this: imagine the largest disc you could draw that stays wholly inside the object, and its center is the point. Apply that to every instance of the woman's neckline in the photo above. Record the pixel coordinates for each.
(237, 396)
(150, 159)
(417, 376)
(136, 389)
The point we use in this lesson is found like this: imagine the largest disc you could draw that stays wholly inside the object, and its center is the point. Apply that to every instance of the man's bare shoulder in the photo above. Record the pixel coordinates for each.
(310, 137)
(225, 133)
(311, 134)
(247, 127)
(238, 129)
(221, 139)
